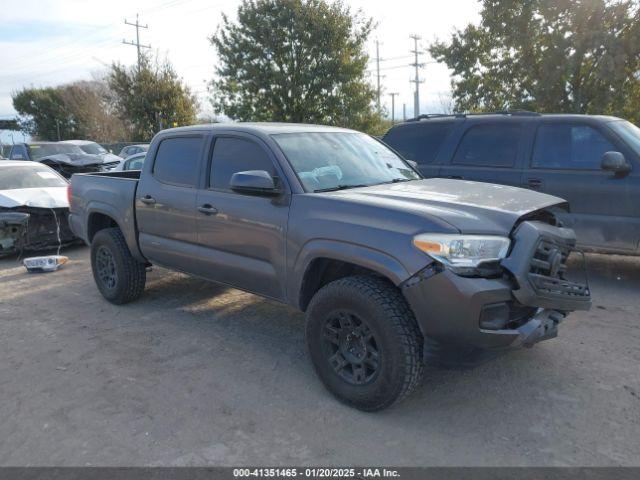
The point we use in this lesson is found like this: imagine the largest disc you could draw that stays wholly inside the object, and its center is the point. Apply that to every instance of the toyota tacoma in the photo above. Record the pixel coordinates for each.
(336, 224)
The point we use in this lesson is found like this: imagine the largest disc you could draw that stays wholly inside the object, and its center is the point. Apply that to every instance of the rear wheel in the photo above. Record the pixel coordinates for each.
(119, 277)
(364, 342)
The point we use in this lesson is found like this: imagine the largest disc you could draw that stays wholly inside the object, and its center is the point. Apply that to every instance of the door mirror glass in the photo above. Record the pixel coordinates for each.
(615, 162)
(257, 182)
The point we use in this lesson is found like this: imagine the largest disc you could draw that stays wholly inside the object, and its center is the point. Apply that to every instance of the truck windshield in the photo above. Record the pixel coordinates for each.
(339, 160)
(28, 176)
(629, 133)
(40, 150)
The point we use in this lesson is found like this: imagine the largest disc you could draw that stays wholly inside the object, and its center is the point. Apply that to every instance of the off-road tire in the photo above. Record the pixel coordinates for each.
(399, 342)
(130, 274)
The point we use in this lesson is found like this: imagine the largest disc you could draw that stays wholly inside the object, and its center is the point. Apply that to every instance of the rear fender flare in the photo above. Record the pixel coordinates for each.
(127, 225)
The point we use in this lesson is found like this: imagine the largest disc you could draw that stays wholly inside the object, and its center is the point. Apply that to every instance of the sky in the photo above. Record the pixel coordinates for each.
(48, 43)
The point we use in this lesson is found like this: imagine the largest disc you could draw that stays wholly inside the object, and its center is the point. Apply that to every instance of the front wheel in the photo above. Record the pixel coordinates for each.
(364, 342)
(119, 277)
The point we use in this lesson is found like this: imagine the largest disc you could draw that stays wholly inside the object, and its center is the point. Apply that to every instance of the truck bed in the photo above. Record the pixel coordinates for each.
(109, 194)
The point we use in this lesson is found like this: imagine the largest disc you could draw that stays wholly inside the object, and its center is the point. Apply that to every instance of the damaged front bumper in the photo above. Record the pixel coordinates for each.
(522, 307)
(33, 229)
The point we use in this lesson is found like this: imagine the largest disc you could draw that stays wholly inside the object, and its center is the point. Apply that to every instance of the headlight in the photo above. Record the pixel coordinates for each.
(462, 253)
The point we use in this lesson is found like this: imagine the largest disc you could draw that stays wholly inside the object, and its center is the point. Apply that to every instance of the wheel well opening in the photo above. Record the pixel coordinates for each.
(97, 222)
(322, 271)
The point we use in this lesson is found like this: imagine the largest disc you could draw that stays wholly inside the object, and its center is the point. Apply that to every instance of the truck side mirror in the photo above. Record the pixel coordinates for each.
(255, 182)
(616, 163)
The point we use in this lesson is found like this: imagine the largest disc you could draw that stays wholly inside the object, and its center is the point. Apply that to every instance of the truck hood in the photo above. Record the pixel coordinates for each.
(469, 207)
(50, 197)
(74, 159)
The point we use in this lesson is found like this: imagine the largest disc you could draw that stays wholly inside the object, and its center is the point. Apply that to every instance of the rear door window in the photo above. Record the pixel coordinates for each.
(419, 141)
(178, 160)
(489, 145)
(569, 146)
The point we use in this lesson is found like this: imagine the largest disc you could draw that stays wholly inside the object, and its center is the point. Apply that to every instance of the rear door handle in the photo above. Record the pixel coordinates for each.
(207, 209)
(534, 182)
(148, 199)
(455, 177)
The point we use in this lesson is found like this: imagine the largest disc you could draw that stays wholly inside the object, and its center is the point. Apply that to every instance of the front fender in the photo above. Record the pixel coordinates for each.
(363, 256)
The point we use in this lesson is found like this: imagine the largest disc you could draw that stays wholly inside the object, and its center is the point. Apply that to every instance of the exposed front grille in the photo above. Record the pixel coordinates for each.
(548, 269)
(549, 259)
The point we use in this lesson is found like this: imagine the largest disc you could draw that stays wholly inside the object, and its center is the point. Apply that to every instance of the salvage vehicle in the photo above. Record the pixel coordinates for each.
(34, 209)
(129, 150)
(109, 160)
(134, 162)
(4, 151)
(64, 158)
(334, 223)
(592, 161)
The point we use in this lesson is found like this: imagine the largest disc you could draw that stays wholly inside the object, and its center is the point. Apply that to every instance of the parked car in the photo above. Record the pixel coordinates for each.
(333, 222)
(64, 158)
(5, 149)
(34, 209)
(133, 149)
(134, 162)
(591, 161)
(110, 160)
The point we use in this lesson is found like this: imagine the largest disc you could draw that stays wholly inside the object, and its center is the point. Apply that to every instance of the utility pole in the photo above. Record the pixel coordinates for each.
(378, 72)
(416, 80)
(393, 107)
(404, 112)
(137, 43)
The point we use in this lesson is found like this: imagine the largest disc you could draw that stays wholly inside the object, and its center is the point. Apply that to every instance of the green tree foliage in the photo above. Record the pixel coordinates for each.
(580, 56)
(151, 98)
(294, 61)
(77, 110)
(43, 113)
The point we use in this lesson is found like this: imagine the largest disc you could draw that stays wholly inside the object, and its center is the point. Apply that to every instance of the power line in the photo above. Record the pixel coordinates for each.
(416, 80)
(137, 43)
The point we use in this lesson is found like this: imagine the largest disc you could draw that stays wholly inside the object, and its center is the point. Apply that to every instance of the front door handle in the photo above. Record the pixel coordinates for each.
(148, 199)
(534, 183)
(207, 209)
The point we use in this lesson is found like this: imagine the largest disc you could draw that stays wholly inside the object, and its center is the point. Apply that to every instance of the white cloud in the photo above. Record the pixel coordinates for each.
(73, 38)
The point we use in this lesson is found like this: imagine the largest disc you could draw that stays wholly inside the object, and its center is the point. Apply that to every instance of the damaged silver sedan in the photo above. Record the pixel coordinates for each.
(34, 208)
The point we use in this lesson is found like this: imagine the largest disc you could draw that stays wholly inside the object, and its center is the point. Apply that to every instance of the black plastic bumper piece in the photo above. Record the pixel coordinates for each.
(521, 308)
(537, 263)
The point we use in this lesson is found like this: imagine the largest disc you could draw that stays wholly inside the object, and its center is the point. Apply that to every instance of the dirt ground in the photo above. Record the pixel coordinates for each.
(198, 374)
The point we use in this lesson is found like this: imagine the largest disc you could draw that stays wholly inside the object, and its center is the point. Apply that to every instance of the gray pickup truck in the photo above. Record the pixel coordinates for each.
(334, 223)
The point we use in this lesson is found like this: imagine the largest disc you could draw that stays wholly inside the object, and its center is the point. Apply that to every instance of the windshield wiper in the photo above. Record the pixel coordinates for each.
(397, 180)
(338, 187)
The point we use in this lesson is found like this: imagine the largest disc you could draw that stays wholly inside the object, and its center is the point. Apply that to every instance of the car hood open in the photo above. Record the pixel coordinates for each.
(50, 197)
(470, 207)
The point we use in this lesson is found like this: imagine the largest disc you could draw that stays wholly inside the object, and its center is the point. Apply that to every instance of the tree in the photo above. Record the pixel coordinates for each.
(294, 61)
(151, 98)
(72, 111)
(580, 56)
(44, 114)
(93, 113)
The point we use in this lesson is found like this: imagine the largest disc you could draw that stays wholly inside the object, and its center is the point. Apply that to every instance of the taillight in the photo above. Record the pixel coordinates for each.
(69, 194)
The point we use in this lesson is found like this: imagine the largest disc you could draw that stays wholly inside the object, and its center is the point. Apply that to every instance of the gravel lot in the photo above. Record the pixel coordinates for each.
(198, 374)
